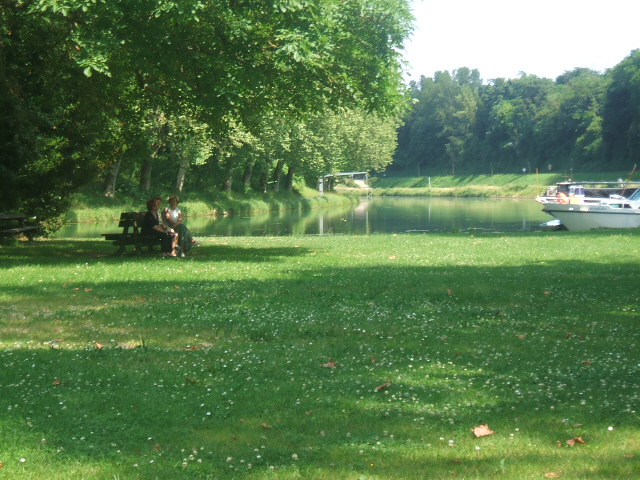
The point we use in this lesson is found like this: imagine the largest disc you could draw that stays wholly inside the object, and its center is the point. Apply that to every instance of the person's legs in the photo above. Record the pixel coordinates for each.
(184, 238)
(174, 243)
(167, 245)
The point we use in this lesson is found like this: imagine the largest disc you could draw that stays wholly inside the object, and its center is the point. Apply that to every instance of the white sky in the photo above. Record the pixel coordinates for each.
(502, 38)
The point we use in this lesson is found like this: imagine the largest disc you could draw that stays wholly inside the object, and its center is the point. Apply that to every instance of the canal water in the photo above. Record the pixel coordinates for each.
(372, 216)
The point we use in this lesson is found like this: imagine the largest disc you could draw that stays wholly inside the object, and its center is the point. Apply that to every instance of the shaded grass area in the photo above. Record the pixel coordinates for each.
(260, 358)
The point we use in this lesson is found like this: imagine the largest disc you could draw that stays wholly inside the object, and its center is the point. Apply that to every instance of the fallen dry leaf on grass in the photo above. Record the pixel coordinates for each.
(57, 381)
(382, 387)
(572, 441)
(330, 364)
(482, 431)
(266, 426)
(552, 475)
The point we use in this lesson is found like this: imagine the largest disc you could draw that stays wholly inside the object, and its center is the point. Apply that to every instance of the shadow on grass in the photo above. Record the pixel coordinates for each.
(155, 412)
(219, 374)
(71, 252)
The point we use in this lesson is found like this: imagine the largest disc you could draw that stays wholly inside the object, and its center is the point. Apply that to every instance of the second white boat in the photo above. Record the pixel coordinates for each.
(590, 205)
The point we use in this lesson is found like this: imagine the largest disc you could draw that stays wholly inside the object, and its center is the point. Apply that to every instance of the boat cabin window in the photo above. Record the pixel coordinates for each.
(576, 190)
(636, 195)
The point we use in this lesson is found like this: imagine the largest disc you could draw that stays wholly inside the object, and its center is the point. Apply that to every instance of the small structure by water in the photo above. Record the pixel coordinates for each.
(330, 178)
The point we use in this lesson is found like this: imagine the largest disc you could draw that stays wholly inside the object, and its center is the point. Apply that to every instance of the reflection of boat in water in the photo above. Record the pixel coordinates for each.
(589, 205)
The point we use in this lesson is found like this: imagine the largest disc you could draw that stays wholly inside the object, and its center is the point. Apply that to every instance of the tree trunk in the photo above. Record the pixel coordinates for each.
(145, 174)
(264, 179)
(246, 176)
(228, 177)
(182, 173)
(331, 183)
(289, 180)
(112, 178)
(159, 147)
(277, 175)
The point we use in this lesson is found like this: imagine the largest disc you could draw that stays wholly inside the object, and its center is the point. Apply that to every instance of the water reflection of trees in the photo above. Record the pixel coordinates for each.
(372, 215)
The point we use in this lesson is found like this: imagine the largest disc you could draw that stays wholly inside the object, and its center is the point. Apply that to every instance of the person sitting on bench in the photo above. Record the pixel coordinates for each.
(173, 218)
(152, 226)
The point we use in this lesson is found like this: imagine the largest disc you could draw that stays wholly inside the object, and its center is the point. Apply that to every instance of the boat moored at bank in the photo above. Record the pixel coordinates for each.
(591, 205)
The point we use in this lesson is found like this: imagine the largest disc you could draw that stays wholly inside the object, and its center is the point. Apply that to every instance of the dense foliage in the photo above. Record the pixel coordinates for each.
(584, 120)
(135, 93)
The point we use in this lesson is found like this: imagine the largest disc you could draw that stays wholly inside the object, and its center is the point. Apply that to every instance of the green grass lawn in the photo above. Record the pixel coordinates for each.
(369, 357)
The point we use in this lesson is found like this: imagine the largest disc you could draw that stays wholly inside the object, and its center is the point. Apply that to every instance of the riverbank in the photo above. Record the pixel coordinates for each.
(489, 186)
(323, 357)
(92, 207)
(95, 208)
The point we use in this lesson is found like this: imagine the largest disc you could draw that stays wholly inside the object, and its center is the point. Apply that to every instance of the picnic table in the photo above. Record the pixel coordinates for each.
(14, 224)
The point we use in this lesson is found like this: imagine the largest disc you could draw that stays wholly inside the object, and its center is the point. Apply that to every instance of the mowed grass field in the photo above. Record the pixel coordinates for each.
(336, 357)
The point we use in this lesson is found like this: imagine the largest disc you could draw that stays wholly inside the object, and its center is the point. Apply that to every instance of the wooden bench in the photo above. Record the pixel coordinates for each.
(131, 223)
(14, 224)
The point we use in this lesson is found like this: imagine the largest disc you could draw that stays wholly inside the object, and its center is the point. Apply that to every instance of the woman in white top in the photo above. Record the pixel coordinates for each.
(173, 218)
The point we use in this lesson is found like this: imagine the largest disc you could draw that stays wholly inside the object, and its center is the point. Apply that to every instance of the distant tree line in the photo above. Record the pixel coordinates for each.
(582, 121)
(167, 95)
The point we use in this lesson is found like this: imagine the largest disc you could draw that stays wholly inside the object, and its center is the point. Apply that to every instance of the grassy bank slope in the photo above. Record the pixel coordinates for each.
(503, 185)
(323, 358)
(91, 207)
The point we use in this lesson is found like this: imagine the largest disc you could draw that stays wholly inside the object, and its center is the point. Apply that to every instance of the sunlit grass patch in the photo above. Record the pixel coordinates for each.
(323, 357)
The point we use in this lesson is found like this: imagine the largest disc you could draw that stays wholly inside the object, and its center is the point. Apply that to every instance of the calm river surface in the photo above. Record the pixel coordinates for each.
(371, 216)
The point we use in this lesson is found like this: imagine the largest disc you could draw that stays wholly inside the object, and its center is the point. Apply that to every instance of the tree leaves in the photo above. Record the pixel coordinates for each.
(460, 123)
(102, 67)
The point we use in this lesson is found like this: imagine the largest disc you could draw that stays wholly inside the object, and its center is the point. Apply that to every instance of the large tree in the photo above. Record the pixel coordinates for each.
(435, 136)
(50, 113)
(70, 69)
(458, 124)
(621, 122)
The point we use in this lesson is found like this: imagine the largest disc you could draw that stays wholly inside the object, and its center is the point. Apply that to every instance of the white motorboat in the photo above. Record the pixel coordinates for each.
(589, 205)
